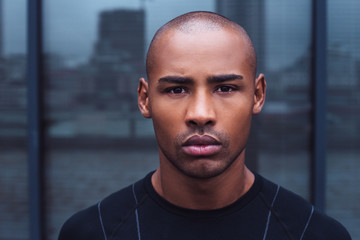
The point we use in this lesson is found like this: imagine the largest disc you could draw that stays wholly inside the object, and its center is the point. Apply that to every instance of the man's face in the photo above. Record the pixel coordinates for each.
(201, 97)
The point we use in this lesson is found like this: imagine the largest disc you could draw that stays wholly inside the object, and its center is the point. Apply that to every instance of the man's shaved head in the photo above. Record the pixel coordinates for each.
(195, 22)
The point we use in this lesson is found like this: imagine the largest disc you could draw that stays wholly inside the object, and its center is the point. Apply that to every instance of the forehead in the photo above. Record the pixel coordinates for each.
(208, 51)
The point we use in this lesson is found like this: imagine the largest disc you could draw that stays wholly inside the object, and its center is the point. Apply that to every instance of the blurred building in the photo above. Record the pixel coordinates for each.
(117, 57)
(250, 15)
(343, 98)
(12, 83)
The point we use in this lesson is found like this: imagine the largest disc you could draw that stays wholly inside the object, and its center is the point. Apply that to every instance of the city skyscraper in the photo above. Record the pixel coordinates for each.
(118, 56)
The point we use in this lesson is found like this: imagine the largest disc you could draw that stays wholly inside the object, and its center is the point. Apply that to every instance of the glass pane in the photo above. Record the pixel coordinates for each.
(14, 212)
(343, 118)
(97, 140)
(281, 30)
(285, 126)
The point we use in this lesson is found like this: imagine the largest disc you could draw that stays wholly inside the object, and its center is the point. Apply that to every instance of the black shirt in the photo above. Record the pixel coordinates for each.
(266, 211)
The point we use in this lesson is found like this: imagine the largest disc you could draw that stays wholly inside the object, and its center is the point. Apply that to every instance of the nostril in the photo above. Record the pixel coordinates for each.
(192, 122)
(200, 123)
(210, 122)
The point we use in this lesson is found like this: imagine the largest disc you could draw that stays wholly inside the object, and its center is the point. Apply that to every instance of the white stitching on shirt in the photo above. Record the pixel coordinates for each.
(136, 213)
(269, 214)
(307, 224)
(101, 221)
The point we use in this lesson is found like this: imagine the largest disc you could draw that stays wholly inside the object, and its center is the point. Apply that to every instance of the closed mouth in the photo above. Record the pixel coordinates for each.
(201, 146)
(198, 140)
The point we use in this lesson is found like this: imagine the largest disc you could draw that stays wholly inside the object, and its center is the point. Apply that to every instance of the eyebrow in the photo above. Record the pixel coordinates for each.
(212, 79)
(224, 78)
(175, 79)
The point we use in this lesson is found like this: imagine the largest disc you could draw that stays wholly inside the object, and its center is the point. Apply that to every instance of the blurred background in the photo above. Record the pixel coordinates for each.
(94, 139)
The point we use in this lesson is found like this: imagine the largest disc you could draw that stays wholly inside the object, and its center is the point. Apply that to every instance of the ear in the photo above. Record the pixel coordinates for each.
(143, 98)
(259, 93)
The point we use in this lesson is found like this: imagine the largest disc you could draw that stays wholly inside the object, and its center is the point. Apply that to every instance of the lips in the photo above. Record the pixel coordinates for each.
(201, 146)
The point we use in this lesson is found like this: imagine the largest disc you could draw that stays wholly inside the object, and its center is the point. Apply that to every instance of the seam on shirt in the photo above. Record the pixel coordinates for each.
(118, 227)
(136, 213)
(101, 221)
(269, 214)
(307, 223)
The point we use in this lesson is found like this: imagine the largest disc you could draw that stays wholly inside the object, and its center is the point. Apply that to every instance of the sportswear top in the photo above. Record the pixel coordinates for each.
(266, 211)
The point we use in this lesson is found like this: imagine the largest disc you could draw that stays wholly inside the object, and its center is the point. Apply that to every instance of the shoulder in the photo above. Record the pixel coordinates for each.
(82, 225)
(322, 226)
(101, 218)
(298, 217)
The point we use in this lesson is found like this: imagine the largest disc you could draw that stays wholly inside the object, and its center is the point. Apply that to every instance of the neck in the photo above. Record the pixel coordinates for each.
(203, 194)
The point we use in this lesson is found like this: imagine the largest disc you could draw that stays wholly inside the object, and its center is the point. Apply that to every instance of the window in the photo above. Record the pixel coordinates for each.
(14, 217)
(93, 56)
(343, 118)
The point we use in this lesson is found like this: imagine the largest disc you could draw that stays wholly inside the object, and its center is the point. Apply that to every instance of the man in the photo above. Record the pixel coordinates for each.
(201, 93)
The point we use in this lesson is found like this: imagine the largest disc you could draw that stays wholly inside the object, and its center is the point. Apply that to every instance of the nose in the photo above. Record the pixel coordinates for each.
(200, 111)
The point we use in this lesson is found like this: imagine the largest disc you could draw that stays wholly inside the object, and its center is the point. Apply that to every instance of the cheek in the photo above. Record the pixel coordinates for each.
(238, 122)
(163, 112)
(236, 119)
(167, 119)
(236, 109)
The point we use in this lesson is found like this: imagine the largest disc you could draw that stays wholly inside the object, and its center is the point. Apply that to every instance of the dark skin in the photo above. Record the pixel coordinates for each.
(201, 95)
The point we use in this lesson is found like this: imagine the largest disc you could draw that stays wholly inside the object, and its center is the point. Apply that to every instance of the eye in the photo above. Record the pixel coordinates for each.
(225, 89)
(176, 90)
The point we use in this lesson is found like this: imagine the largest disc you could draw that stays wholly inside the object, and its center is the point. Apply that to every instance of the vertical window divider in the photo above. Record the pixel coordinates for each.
(319, 83)
(35, 131)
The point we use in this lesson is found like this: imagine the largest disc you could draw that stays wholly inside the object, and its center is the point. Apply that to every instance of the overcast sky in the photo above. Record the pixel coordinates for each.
(70, 26)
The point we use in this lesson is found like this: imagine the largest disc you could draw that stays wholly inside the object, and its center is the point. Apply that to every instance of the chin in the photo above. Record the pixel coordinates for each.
(203, 170)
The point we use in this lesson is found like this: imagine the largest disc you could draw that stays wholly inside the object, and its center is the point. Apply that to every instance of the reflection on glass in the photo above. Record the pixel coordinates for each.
(343, 118)
(94, 55)
(13, 125)
(98, 97)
